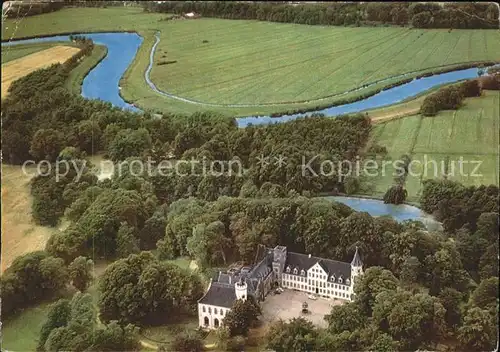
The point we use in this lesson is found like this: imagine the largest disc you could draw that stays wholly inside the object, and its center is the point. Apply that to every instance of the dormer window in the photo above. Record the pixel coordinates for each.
(348, 282)
(287, 269)
(295, 271)
(333, 278)
(340, 280)
(302, 272)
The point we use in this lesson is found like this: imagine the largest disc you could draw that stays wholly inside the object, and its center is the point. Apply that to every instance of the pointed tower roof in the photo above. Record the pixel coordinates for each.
(356, 261)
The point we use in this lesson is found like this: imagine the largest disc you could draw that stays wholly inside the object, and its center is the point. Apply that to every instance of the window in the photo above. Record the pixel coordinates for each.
(222, 312)
(348, 282)
(335, 286)
(302, 272)
(333, 278)
(340, 280)
(295, 271)
(215, 310)
(204, 310)
(209, 310)
(287, 269)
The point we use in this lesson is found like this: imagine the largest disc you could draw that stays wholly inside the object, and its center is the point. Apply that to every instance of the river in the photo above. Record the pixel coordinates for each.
(103, 82)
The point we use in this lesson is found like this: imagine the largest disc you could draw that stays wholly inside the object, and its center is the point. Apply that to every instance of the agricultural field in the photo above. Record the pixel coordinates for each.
(18, 68)
(15, 52)
(271, 67)
(472, 132)
(20, 234)
(248, 62)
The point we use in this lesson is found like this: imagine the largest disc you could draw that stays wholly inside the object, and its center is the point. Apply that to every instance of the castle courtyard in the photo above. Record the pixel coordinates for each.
(288, 305)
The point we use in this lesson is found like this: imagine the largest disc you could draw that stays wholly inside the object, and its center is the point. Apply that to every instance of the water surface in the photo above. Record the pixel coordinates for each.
(103, 81)
(400, 212)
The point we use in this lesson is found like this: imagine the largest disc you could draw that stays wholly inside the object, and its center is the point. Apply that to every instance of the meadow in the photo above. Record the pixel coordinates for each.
(272, 67)
(470, 132)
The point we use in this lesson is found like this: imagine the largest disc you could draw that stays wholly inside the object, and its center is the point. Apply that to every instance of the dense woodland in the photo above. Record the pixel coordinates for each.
(421, 288)
(419, 15)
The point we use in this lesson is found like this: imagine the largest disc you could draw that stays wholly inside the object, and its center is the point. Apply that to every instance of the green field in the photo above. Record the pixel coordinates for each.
(21, 332)
(76, 76)
(472, 132)
(248, 62)
(285, 66)
(16, 52)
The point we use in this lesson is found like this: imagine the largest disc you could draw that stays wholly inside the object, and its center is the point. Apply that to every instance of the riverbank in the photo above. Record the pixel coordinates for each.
(183, 41)
(77, 75)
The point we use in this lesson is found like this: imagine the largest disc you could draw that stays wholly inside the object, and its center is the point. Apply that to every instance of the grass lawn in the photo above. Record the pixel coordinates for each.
(164, 334)
(470, 133)
(21, 332)
(248, 62)
(181, 262)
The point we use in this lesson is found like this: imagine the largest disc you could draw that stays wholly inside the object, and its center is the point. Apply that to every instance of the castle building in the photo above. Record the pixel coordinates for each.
(277, 267)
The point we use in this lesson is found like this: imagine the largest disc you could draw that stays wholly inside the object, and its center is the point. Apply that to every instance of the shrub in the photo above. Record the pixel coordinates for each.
(490, 82)
(444, 99)
(166, 62)
(470, 88)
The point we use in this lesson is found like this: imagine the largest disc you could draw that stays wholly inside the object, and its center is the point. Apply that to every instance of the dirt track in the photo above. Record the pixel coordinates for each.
(16, 69)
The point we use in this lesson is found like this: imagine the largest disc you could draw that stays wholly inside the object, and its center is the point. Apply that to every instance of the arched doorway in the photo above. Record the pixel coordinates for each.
(216, 322)
(206, 321)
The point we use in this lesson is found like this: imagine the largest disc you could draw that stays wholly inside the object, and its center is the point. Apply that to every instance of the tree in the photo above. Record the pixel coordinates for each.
(126, 241)
(298, 334)
(82, 332)
(31, 278)
(410, 270)
(241, 316)
(374, 281)
(486, 294)
(444, 269)
(80, 273)
(128, 143)
(451, 300)
(187, 342)
(152, 232)
(414, 321)
(488, 263)
(395, 195)
(142, 289)
(209, 244)
(89, 135)
(384, 343)
(347, 317)
(46, 144)
(58, 316)
(478, 331)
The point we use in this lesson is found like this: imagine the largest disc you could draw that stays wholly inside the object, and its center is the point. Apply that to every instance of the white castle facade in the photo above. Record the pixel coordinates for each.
(278, 267)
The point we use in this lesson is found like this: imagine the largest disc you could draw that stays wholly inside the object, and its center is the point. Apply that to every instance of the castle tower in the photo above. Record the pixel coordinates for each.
(356, 267)
(279, 259)
(240, 288)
